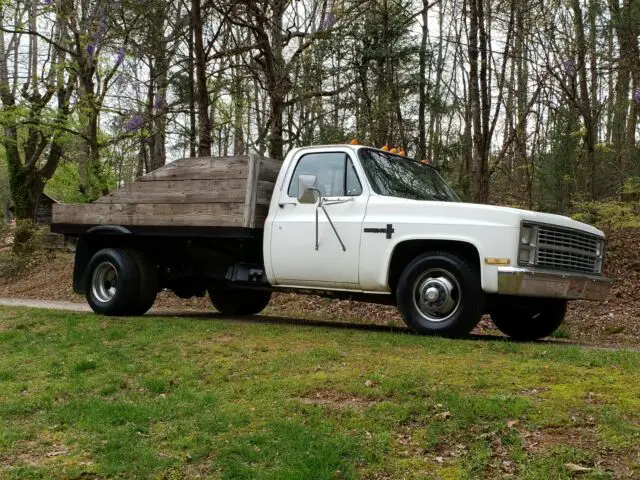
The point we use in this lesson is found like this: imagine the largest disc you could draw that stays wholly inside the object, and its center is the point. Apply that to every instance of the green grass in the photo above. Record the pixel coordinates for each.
(84, 396)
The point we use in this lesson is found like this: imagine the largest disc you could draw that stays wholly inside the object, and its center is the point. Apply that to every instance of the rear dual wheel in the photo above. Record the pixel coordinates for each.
(239, 301)
(121, 282)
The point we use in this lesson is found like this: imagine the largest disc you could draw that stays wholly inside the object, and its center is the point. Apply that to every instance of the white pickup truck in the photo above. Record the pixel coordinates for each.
(351, 221)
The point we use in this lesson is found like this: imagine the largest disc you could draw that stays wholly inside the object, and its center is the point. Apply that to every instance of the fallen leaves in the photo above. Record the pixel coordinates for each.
(609, 323)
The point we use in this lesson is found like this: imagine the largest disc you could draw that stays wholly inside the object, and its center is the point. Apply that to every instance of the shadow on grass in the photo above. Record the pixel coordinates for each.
(369, 327)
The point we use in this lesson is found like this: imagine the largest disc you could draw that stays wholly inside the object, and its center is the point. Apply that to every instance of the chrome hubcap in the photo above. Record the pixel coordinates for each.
(436, 295)
(104, 283)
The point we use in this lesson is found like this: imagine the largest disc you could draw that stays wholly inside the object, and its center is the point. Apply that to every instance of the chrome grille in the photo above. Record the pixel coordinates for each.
(566, 261)
(557, 248)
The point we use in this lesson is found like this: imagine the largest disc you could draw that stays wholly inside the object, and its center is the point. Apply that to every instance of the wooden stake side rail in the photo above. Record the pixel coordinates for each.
(199, 192)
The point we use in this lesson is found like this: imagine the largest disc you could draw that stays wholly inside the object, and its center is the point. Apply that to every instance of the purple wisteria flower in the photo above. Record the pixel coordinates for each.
(134, 123)
(329, 20)
(91, 49)
(120, 57)
(636, 97)
(159, 102)
(47, 2)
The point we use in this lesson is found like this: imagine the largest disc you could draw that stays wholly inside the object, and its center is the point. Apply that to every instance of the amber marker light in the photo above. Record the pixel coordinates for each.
(497, 261)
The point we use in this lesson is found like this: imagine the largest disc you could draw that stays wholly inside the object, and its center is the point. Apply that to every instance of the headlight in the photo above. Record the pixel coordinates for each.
(528, 241)
(524, 256)
(600, 248)
(527, 235)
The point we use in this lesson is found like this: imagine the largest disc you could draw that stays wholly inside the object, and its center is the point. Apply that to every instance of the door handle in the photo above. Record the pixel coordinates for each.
(282, 204)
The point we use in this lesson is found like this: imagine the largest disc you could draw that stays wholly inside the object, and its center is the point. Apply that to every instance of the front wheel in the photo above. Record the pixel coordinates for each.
(528, 319)
(439, 293)
(239, 301)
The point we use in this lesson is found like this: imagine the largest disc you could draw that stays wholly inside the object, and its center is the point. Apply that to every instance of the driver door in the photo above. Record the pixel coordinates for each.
(294, 257)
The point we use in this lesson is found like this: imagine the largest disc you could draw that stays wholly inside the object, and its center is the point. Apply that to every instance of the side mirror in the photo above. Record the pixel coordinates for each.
(308, 192)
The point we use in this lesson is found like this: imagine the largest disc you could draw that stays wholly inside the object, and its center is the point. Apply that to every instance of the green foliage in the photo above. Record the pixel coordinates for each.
(631, 187)
(64, 186)
(4, 181)
(28, 238)
(608, 216)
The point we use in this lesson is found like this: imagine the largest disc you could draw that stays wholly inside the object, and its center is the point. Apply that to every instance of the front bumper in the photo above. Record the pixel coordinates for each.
(528, 282)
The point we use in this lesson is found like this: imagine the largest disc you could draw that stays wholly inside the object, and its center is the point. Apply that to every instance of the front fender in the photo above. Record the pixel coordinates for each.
(377, 252)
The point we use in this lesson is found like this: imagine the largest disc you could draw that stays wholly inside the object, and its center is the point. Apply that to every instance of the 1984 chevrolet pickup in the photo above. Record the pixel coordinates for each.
(346, 221)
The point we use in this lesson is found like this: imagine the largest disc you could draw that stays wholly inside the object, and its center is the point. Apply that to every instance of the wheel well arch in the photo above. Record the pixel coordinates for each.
(109, 230)
(88, 244)
(407, 250)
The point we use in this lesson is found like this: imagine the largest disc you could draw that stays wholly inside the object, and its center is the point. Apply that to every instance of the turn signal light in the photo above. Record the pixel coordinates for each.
(497, 261)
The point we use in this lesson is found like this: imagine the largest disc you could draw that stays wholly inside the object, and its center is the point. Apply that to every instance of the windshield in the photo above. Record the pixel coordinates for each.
(397, 176)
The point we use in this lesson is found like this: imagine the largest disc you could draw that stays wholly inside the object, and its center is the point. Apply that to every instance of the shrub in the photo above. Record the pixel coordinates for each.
(608, 216)
(27, 250)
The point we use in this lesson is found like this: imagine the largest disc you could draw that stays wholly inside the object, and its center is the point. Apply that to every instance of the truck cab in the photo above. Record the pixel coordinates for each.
(358, 222)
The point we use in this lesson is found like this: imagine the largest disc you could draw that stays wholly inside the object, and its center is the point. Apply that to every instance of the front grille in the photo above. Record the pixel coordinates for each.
(572, 262)
(557, 248)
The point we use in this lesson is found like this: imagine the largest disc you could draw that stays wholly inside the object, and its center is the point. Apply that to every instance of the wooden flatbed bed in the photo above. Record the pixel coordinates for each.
(223, 196)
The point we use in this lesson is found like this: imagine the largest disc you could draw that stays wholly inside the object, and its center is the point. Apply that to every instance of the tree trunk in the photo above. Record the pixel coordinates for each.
(422, 84)
(202, 94)
(478, 101)
(192, 101)
(584, 99)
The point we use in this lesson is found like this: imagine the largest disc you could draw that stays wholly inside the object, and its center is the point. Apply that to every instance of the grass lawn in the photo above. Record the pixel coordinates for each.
(84, 396)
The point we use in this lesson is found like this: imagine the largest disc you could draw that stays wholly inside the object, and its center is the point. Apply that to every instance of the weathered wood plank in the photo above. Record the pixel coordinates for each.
(265, 190)
(201, 168)
(269, 169)
(261, 215)
(177, 214)
(251, 191)
(229, 191)
(180, 191)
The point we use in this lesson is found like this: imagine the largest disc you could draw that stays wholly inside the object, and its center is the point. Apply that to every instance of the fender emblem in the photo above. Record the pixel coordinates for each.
(389, 230)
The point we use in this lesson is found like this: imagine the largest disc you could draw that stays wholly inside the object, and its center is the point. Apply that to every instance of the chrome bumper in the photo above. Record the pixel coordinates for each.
(543, 283)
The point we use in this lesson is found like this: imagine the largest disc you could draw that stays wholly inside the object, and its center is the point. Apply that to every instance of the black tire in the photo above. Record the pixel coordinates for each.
(239, 301)
(149, 284)
(527, 319)
(112, 282)
(445, 277)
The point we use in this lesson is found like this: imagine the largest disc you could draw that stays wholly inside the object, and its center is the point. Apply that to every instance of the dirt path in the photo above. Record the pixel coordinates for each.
(46, 304)
(289, 320)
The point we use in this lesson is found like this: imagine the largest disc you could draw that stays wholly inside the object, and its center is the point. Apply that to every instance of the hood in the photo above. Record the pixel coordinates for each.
(539, 217)
(473, 213)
